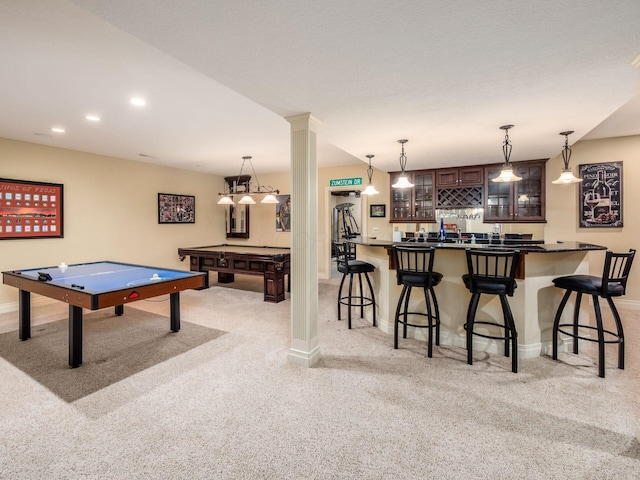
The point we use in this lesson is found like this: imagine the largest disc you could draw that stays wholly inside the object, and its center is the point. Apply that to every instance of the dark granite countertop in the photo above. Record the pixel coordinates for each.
(528, 248)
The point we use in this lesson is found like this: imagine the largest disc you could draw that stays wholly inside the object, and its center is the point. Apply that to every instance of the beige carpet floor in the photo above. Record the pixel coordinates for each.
(232, 407)
(114, 348)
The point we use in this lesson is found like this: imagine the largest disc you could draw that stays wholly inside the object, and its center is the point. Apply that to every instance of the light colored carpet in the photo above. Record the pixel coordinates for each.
(114, 348)
(233, 408)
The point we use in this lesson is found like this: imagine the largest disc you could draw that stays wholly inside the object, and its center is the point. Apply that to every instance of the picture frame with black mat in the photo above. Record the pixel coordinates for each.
(378, 210)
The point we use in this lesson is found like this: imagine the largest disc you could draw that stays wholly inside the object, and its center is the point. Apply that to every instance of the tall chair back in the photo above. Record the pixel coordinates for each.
(616, 273)
(492, 271)
(414, 265)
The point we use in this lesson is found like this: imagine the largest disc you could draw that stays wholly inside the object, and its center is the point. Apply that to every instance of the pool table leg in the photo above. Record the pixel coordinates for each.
(75, 336)
(24, 323)
(119, 310)
(174, 300)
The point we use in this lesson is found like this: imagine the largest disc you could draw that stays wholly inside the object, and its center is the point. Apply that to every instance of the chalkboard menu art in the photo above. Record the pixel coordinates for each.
(30, 209)
(600, 197)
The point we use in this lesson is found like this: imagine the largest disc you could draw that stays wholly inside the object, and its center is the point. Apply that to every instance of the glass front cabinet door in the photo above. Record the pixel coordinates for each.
(522, 201)
(413, 204)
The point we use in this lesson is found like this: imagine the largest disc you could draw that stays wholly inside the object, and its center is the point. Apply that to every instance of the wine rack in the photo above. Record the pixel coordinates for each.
(459, 197)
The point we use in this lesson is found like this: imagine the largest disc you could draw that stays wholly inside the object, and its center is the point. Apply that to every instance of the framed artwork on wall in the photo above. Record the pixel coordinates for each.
(176, 208)
(283, 213)
(377, 210)
(30, 209)
(600, 195)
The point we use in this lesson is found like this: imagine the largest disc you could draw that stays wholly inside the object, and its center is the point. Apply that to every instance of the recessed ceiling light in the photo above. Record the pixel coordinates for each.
(93, 118)
(138, 101)
(57, 129)
(146, 155)
(40, 134)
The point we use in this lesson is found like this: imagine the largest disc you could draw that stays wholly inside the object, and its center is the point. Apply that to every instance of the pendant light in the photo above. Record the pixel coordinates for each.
(567, 175)
(242, 186)
(506, 175)
(403, 181)
(370, 190)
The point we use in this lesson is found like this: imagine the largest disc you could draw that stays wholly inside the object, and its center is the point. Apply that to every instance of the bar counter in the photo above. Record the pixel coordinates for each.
(533, 304)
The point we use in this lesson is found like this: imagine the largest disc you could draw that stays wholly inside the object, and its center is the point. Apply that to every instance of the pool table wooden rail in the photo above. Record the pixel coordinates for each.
(273, 263)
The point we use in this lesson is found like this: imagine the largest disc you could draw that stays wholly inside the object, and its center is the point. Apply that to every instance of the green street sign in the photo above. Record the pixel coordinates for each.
(345, 182)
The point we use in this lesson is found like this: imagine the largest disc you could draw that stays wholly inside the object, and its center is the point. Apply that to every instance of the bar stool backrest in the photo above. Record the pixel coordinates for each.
(616, 272)
(413, 261)
(345, 251)
(493, 267)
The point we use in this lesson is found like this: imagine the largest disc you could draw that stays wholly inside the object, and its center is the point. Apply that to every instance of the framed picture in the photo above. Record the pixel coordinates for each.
(30, 209)
(378, 210)
(600, 195)
(283, 213)
(176, 208)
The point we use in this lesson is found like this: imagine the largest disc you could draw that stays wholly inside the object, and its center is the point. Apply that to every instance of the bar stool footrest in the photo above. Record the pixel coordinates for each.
(616, 338)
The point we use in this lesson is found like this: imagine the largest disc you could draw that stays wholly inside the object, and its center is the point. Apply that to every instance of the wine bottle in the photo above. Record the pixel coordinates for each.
(602, 191)
(442, 237)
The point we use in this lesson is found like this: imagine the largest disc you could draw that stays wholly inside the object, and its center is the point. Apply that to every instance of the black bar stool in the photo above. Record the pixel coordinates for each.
(493, 273)
(613, 283)
(414, 268)
(348, 265)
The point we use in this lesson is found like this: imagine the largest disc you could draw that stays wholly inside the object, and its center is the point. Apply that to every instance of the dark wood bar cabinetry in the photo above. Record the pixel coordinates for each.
(516, 202)
(471, 187)
(415, 204)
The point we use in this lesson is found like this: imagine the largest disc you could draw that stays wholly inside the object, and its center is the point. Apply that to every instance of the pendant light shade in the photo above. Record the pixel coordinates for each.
(370, 190)
(506, 175)
(241, 185)
(403, 180)
(567, 175)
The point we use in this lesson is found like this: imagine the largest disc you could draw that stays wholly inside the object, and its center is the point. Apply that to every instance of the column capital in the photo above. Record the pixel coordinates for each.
(303, 121)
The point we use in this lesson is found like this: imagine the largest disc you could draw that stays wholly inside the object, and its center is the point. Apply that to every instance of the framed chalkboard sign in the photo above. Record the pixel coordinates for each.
(600, 195)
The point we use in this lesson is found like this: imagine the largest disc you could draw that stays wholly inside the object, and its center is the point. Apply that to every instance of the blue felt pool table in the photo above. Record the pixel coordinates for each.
(94, 286)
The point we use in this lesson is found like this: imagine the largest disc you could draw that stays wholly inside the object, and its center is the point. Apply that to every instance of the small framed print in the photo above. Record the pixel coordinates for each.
(378, 210)
(30, 209)
(176, 208)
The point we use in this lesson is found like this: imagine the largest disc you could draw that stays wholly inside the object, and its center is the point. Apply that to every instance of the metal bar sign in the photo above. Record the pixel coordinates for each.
(345, 182)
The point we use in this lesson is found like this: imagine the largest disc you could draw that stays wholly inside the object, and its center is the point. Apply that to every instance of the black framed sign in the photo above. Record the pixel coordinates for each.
(176, 208)
(600, 195)
(30, 209)
(377, 210)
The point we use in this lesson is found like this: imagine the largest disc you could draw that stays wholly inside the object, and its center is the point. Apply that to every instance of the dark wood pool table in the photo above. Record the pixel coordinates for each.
(273, 263)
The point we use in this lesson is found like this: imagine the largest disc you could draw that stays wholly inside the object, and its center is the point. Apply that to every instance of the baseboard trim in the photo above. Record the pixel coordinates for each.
(36, 301)
(304, 359)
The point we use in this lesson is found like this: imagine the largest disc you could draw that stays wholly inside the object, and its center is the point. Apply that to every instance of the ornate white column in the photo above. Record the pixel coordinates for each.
(304, 348)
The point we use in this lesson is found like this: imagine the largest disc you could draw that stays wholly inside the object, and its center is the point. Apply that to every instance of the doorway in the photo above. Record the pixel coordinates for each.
(346, 220)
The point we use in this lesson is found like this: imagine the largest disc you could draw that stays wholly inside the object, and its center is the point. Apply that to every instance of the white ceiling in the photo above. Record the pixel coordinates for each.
(220, 76)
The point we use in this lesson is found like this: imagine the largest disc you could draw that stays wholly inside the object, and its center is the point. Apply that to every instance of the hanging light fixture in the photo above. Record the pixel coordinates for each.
(370, 190)
(403, 180)
(506, 174)
(225, 200)
(242, 186)
(567, 175)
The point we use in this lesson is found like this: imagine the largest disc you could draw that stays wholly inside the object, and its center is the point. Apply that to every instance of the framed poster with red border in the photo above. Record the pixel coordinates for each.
(30, 209)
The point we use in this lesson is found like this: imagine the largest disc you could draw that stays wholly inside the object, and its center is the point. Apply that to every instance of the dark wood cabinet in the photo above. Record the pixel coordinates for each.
(415, 204)
(513, 202)
(459, 177)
